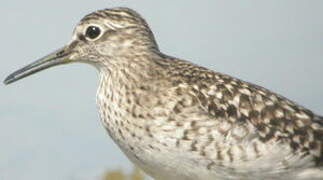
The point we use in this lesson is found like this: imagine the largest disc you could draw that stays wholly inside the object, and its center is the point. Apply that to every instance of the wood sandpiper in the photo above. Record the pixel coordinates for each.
(179, 121)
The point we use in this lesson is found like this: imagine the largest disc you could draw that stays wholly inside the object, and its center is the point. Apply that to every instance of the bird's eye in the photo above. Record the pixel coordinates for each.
(92, 32)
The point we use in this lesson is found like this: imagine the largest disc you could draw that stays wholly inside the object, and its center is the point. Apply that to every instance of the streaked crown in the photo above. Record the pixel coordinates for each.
(116, 18)
(112, 32)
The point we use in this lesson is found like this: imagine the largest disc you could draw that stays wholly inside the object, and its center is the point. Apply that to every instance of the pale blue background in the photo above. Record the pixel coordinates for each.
(50, 129)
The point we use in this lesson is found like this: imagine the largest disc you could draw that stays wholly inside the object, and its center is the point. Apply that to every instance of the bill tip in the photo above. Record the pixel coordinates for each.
(8, 80)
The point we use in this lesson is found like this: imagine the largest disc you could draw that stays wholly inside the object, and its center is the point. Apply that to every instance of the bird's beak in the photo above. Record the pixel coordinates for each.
(56, 58)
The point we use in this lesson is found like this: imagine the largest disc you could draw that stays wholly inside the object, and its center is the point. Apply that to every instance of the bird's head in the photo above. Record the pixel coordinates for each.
(99, 39)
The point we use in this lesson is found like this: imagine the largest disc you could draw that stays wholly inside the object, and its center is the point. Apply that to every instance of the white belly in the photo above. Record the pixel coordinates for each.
(170, 166)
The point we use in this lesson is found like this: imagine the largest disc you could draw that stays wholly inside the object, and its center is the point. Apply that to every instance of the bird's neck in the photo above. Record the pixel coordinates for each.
(125, 72)
(119, 83)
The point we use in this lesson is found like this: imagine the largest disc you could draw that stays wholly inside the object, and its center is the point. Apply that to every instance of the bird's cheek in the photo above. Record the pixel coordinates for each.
(107, 49)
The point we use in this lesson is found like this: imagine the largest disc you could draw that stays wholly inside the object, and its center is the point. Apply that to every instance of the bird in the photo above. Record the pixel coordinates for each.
(177, 120)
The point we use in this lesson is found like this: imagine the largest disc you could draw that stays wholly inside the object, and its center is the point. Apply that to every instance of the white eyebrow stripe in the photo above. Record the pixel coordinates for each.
(113, 26)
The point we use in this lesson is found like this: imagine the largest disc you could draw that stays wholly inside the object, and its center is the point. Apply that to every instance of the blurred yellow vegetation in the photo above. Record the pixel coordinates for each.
(119, 175)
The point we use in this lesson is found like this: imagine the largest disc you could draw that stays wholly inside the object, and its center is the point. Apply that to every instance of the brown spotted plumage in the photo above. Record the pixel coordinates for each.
(180, 121)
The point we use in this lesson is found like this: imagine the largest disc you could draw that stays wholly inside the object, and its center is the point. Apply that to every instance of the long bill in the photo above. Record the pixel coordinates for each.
(56, 58)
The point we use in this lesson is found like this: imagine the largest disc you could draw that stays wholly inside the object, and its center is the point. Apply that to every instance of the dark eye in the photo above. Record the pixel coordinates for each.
(92, 32)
